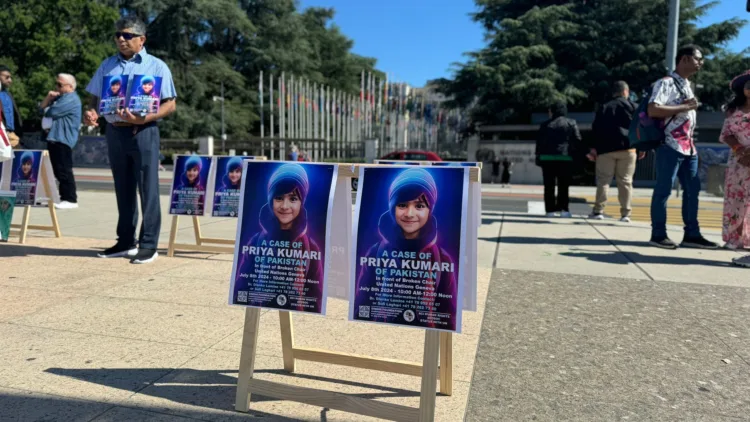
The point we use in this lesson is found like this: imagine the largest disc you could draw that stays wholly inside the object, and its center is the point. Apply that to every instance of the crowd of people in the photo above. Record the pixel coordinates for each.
(673, 104)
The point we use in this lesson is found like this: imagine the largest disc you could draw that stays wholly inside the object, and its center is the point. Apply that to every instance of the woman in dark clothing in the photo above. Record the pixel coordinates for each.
(558, 138)
(505, 181)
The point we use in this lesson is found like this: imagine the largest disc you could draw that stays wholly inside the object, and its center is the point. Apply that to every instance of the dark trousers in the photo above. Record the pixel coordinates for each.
(134, 159)
(557, 173)
(61, 157)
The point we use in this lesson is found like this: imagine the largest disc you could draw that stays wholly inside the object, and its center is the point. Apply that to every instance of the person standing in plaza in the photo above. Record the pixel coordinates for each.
(612, 152)
(736, 134)
(507, 171)
(495, 170)
(63, 107)
(556, 143)
(11, 116)
(133, 142)
(672, 100)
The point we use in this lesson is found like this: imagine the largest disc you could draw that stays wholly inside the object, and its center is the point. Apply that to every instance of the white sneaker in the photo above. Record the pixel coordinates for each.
(730, 246)
(742, 261)
(65, 205)
(625, 220)
(551, 215)
(566, 214)
(595, 216)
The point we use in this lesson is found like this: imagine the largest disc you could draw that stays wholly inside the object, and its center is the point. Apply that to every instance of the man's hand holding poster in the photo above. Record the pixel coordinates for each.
(283, 232)
(409, 243)
(189, 185)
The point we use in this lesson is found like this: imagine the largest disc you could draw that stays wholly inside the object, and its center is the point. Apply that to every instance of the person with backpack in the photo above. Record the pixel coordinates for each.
(556, 142)
(612, 151)
(673, 103)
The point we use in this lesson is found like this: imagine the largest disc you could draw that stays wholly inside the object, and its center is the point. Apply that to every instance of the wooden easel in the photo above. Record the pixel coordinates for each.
(437, 363)
(23, 228)
(202, 244)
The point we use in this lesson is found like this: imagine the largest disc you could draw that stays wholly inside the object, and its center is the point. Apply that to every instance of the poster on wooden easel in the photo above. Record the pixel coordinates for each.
(409, 237)
(283, 233)
(7, 205)
(24, 173)
(226, 186)
(190, 185)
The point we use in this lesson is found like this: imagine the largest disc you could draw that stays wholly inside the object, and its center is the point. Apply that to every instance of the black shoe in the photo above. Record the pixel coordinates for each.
(663, 242)
(119, 251)
(145, 256)
(699, 242)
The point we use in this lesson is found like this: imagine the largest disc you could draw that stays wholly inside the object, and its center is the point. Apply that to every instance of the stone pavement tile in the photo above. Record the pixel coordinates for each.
(69, 281)
(561, 248)
(209, 269)
(83, 366)
(187, 290)
(124, 414)
(21, 405)
(208, 383)
(707, 299)
(15, 302)
(198, 326)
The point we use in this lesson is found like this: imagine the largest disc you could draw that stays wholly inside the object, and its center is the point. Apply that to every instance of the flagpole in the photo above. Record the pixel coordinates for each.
(260, 93)
(270, 101)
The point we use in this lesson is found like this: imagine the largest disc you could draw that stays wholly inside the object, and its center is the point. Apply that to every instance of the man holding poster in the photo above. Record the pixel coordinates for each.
(408, 249)
(133, 139)
(282, 234)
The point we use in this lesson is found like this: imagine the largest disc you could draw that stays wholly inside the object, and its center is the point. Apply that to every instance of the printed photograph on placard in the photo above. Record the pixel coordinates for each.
(282, 233)
(145, 96)
(114, 90)
(7, 204)
(409, 240)
(227, 188)
(189, 185)
(24, 177)
(455, 163)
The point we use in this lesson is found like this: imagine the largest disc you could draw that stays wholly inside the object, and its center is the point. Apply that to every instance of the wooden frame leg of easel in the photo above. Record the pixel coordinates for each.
(197, 231)
(428, 396)
(53, 217)
(25, 223)
(287, 340)
(247, 359)
(446, 363)
(173, 235)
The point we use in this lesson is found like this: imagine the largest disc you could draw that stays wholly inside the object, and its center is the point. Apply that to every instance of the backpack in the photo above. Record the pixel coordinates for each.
(645, 133)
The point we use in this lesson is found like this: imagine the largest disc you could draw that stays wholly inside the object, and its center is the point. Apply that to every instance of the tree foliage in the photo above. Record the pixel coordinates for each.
(205, 43)
(541, 51)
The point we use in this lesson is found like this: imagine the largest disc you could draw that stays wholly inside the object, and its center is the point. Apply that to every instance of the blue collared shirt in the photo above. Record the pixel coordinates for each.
(141, 63)
(65, 113)
(6, 102)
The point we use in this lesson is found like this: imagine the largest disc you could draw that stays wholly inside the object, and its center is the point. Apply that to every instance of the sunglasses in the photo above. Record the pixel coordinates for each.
(126, 35)
(59, 85)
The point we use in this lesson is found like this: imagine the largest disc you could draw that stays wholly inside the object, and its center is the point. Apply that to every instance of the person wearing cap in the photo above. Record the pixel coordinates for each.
(133, 143)
(736, 134)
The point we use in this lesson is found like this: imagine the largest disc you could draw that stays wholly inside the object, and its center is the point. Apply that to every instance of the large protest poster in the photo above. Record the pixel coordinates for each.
(145, 97)
(189, 183)
(407, 247)
(24, 175)
(114, 90)
(280, 258)
(7, 204)
(226, 200)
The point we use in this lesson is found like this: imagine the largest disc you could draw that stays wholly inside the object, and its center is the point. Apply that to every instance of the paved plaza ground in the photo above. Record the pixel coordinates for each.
(577, 321)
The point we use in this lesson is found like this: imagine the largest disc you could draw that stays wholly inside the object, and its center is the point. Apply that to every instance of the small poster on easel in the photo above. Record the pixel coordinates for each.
(7, 204)
(188, 196)
(284, 228)
(146, 95)
(226, 201)
(409, 239)
(24, 176)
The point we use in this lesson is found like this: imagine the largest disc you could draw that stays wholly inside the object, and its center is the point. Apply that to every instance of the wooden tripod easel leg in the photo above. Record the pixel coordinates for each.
(25, 223)
(50, 201)
(287, 340)
(446, 363)
(427, 396)
(173, 235)
(197, 231)
(247, 359)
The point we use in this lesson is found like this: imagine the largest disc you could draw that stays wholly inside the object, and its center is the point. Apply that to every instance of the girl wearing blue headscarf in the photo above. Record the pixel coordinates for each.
(284, 218)
(25, 170)
(148, 84)
(410, 226)
(232, 176)
(191, 182)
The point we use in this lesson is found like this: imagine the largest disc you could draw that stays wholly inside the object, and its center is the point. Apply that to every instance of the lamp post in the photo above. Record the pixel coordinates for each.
(223, 134)
(673, 26)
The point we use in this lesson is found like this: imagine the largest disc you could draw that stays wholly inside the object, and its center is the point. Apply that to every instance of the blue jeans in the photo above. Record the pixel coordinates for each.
(671, 164)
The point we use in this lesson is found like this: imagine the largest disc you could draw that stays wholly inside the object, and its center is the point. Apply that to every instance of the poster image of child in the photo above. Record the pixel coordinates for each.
(189, 185)
(227, 189)
(24, 176)
(283, 231)
(146, 94)
(407, 272)
(114, 89)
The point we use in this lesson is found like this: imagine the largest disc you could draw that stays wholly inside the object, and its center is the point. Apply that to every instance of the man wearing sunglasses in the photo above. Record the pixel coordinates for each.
(63, 107)
(133, 143)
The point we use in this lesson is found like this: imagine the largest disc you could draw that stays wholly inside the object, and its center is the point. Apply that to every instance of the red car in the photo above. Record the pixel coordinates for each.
(414, 155)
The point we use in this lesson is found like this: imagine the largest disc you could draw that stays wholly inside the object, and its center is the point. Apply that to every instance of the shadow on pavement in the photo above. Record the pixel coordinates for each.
(616, 258)
(569, 221)
(8, 250)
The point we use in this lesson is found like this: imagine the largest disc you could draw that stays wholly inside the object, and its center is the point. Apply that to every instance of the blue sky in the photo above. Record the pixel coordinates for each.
(418, 40)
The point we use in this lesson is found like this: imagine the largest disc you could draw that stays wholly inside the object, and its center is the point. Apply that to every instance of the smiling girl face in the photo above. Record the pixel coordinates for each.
(192, 174)
(235, 176)
(26, 168)
(411, 216)
(286, 208)
(147, 87)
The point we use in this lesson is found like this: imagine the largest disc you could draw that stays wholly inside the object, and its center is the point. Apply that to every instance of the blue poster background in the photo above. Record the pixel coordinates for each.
(227, 186)
(280, 282)
(24, 176)
(188, 193)
(142, 101)
(110, 101)
(377, 232)
(455, 163)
